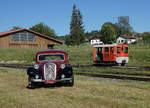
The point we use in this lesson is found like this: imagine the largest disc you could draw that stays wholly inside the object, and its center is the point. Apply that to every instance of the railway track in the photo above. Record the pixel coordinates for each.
(122, 77)
(139, 77)
(80, 66)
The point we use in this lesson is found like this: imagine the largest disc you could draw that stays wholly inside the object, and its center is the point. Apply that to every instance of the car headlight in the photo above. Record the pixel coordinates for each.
(36, 76)
(62, 76)
(62, 66)
(36, 66)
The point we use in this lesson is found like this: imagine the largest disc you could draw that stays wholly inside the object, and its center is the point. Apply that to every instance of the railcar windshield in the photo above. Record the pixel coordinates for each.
(118, 50)
(51, 57)
(106, 49)
(126, 50)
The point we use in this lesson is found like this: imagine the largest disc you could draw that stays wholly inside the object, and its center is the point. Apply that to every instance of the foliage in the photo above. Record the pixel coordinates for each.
(43, 29)
(16, 28)
(108, 33)
(92, 34)
(76, 36)
(124, 25)
(146, 38)
(68, 40)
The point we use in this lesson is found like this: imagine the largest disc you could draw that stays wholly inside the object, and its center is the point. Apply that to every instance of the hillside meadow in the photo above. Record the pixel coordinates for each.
(78, 55)
(87, 92)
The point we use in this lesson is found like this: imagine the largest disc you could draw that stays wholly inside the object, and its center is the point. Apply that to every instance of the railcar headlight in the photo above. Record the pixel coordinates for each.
(62, 66)
(36, 66)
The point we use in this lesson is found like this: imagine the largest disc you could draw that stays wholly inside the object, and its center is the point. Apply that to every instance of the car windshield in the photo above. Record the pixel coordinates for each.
(51, 57)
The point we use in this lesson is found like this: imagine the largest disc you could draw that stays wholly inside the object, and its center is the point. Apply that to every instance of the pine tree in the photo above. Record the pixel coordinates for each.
(76, 36)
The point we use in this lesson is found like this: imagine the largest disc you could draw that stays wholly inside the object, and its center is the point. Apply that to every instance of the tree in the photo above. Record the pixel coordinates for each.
(16, 28)
(43, 29)
(92, 34)
(124, 25)
(76, 36)
(68, 40)
(146, 38)
(108, 33)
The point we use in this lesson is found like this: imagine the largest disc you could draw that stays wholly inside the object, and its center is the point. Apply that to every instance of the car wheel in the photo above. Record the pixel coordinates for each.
(71, 82)
(31, 85)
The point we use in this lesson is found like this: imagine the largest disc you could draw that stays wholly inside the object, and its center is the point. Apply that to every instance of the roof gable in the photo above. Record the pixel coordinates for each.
(15, 31)
(128, 37)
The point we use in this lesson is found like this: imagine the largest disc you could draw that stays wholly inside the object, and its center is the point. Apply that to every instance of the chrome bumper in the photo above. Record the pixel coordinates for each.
(60, 80)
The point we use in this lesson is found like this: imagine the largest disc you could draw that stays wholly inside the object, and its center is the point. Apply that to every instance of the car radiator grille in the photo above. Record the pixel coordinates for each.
(50, 71)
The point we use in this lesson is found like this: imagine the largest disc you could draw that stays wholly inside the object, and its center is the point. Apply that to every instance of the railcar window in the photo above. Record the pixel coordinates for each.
(112, 49)
(106, 49)
(126, 50)
(118, 49)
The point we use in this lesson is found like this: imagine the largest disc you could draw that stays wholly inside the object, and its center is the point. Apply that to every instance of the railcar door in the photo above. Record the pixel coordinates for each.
(125, 50)
(111, 54)
(99, 54)
(106, 54)
(119, 50)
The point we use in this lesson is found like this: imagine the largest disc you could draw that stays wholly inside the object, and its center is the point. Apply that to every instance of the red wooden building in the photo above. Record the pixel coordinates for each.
(24, 38)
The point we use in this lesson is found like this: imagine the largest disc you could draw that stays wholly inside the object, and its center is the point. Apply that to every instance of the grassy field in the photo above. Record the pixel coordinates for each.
(82, 55)
(87, 92)
(139, 55)
(113, 71)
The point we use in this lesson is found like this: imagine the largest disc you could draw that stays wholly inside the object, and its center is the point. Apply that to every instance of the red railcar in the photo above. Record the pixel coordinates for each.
(111, 54)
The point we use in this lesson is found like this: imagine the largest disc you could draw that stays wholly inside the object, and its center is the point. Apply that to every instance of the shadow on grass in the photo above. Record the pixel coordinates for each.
(49, 86)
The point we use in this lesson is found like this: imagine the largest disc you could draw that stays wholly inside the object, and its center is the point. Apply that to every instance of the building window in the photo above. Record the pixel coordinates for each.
(31, 37)
(15, 37)
(50, 46)
(23, 36)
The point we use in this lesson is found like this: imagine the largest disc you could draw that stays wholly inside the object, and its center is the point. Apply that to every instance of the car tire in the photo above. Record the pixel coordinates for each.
(31, 85)
(71, 82)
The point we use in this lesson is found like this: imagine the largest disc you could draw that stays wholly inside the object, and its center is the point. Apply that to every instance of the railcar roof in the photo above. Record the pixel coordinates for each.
(106, 45)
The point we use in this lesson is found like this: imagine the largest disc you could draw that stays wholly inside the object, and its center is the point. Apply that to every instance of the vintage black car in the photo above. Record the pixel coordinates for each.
(52, 66)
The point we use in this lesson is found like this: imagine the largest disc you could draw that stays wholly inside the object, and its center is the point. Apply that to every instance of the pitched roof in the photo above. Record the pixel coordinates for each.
(24, 29)
(128, 37)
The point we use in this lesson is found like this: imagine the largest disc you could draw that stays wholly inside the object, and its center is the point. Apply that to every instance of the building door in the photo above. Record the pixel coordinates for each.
(49, 46)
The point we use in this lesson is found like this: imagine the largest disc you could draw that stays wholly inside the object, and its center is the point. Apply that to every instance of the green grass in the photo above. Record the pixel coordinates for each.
(82, 55)
(25, 55)
(87, 92)
(139, 55)
(113, 71)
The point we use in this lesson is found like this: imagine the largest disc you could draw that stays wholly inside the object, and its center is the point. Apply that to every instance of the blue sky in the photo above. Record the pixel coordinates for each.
(57, 13)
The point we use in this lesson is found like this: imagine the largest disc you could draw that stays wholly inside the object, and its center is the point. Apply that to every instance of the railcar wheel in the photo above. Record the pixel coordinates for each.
(31, 85)
(123, 64)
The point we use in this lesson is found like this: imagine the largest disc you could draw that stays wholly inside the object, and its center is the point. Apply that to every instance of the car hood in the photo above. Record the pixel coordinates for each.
(58, 63)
